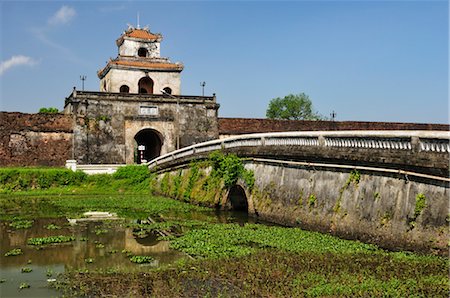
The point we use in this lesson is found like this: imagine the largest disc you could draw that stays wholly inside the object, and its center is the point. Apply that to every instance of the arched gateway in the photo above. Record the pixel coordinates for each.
(148, 145)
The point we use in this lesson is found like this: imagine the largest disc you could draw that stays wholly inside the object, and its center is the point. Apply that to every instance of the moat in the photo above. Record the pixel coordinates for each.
(159, 247)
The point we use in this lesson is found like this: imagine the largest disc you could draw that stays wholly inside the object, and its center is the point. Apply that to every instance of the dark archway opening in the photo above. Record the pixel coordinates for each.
(238, 199)
(145, 85)
(149, 143)
(142, 52)
(167, 90)
(124, 89)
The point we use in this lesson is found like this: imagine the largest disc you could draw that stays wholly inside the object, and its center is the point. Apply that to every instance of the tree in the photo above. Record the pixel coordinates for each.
(48, 110)
(292, 107)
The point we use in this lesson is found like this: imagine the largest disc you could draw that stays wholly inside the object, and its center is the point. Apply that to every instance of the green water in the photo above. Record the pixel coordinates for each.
(105, 245)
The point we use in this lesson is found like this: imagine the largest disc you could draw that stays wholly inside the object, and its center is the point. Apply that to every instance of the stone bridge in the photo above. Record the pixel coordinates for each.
(385, 187)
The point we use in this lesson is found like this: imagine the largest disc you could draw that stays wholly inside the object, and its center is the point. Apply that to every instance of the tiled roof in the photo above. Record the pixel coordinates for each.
(141, 34)
(148, 65)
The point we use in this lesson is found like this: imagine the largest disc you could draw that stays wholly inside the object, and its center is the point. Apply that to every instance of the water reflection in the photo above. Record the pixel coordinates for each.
(103, 242)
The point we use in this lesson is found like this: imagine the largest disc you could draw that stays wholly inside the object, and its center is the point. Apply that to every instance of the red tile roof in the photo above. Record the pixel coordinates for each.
(141, 34)
(148, 65)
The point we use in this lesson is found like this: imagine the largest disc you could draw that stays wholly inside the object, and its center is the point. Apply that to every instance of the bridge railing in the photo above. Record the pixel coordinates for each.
(426, 141)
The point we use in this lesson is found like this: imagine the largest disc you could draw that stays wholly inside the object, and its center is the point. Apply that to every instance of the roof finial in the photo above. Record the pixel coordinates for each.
(138, 26)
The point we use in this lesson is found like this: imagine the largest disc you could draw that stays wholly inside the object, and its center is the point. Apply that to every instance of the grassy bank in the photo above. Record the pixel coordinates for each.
(34, 181)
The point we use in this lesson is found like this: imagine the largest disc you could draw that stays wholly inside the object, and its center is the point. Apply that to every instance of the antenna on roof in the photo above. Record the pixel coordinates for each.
(138, 26)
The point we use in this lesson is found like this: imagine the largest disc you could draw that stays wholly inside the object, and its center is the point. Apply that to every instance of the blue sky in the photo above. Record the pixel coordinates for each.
(366, 60)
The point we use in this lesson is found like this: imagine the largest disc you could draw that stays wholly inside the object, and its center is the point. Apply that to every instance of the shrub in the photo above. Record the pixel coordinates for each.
(50, 110)
(15, 179)
(136, 173)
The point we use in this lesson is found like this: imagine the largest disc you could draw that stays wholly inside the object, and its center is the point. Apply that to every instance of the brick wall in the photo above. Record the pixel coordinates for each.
(35, 139)
(236, 126)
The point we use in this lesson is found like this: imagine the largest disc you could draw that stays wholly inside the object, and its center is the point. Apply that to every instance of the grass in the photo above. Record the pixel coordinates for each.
(273, 273)
(40, 181)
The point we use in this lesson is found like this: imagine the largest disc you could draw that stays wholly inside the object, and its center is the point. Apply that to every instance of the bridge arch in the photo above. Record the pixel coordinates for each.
(238, 198)
(148, 145)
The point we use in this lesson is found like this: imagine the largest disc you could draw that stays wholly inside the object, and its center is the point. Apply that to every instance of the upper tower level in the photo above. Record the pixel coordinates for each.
(139, 68)
(139, 43)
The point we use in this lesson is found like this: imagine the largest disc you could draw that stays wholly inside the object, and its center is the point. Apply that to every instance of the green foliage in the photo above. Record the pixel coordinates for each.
(134, 173)
(230, 240)
(24, 285)
(26, 270)
(57, 180)
(103, 118)
(129, 206)
(354, 178)
(141, 259)
(164, 185)
(23, 179)
(420, 204)
(193, 176)
(99, 231)
(18, 223)
(48, 110)
(52, 227)
(312, 200)
(292, 107)
(230, 168)
(14, 252)
(249, 178)
(49, 272)
(50, 240)
(274, 273)
(176, 185)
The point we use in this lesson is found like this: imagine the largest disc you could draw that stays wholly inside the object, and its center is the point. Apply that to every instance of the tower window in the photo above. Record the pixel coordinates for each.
(124, 89)
(145, 85)
(167, 90)
(142, 52)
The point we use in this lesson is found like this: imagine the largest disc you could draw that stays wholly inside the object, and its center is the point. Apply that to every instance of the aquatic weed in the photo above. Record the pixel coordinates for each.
(14, 252)
(50, 240)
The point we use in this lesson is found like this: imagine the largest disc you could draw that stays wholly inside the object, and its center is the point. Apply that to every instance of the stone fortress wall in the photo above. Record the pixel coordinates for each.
(42, 139)
(35, 139)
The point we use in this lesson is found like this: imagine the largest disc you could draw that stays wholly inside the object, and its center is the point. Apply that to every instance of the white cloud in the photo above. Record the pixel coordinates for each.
(16, 61)
(63, 16)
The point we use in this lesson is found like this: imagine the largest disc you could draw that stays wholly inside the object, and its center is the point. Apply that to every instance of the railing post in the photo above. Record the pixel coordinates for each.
(415, 144)
(321, 141)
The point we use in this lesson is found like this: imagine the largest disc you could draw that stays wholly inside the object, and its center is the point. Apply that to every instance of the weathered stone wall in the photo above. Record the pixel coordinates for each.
(35, 139)
(378, 208)
(372, 207)
(107, 123)
(237, 126)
